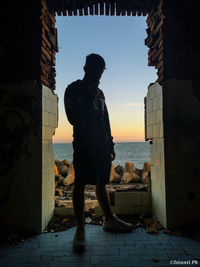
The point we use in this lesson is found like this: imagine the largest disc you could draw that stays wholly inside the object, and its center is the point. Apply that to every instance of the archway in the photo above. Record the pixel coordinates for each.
(27, 86)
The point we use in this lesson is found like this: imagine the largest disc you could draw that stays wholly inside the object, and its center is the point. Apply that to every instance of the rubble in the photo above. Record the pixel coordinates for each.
(59, 223)
(148, 223)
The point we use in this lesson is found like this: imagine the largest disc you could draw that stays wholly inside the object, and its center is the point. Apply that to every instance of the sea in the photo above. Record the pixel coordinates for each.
(135, 152)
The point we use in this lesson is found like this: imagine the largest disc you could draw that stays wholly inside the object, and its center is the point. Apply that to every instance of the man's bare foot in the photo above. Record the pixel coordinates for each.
(79, 239)
(117, 225)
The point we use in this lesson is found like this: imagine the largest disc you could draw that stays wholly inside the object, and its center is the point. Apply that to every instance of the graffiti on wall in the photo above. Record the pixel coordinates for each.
(19, 121)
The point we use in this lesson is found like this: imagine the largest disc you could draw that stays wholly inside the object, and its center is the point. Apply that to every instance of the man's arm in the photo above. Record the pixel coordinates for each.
(75, 106)
(108, 132)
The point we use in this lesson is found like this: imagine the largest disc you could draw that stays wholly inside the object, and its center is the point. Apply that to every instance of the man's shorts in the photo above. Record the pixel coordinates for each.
(92, 163)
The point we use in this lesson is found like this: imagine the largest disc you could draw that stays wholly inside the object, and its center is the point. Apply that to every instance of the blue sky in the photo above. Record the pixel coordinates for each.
(120, 41)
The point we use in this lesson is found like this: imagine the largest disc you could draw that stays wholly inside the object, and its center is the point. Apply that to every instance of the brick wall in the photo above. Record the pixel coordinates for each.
(49, 47)
(154, 40)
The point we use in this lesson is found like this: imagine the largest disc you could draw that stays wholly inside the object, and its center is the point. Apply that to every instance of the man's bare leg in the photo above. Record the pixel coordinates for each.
(104, 200)
(78, 204)
(111, 222)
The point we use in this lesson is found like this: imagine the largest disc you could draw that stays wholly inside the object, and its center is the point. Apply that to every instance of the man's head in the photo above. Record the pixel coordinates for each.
(94, 67)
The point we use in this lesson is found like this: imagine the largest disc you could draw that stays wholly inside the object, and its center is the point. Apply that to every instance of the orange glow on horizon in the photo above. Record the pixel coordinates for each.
(64, 134)
(126, 126)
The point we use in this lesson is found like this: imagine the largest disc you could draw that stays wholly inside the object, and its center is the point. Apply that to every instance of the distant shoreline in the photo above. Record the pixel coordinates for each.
(114, 142)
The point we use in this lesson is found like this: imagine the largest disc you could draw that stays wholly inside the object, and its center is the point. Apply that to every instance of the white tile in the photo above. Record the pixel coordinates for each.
(149, 105)
(48, 105)
(159, 116)
(149, 131)
(160, 145)
(158, 89)
(156, 130)
(152, 117)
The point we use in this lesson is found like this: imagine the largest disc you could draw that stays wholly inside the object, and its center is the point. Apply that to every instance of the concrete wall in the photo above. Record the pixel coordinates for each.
(20, 183)
(49, 124)
(27, 161)
(154, 131)
(182, 155)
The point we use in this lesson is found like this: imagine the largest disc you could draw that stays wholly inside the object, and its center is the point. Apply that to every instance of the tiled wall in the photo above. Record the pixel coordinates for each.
(173, 124)
(182, 156)
(49, 124)
(154, 132)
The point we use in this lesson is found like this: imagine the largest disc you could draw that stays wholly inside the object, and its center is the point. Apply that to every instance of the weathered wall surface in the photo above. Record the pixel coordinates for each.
(175, 53)
(28, 44)
(182, 156)
(21, 162)
(154, 132)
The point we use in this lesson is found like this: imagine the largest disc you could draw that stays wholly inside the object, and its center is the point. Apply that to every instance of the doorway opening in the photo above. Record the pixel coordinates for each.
(121, 42)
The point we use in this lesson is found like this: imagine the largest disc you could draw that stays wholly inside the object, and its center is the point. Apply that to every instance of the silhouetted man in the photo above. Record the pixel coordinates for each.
(93, 146)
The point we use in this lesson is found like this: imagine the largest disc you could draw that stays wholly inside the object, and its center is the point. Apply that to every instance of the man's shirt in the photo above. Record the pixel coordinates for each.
(88, 115)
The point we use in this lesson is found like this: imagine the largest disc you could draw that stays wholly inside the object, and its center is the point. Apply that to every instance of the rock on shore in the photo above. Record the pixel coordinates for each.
(70, 176)
(65, 175)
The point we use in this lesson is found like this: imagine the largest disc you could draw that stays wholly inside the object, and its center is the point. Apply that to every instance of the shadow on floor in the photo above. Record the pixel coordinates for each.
(138, 248)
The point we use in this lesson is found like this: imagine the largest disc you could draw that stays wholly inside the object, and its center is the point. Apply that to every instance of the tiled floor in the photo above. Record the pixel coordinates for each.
(103, 249)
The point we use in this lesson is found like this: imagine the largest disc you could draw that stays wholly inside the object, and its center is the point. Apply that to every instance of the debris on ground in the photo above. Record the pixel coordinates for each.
(148, 223)
(11, 237)
(190, 231)
(60, 223)
(152, 227)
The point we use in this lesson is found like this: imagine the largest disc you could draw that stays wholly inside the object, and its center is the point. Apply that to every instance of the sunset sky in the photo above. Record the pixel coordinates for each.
(120, 41)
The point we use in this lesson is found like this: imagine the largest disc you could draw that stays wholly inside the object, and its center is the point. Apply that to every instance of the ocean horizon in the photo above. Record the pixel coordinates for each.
(114, 142)
(136, 152)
